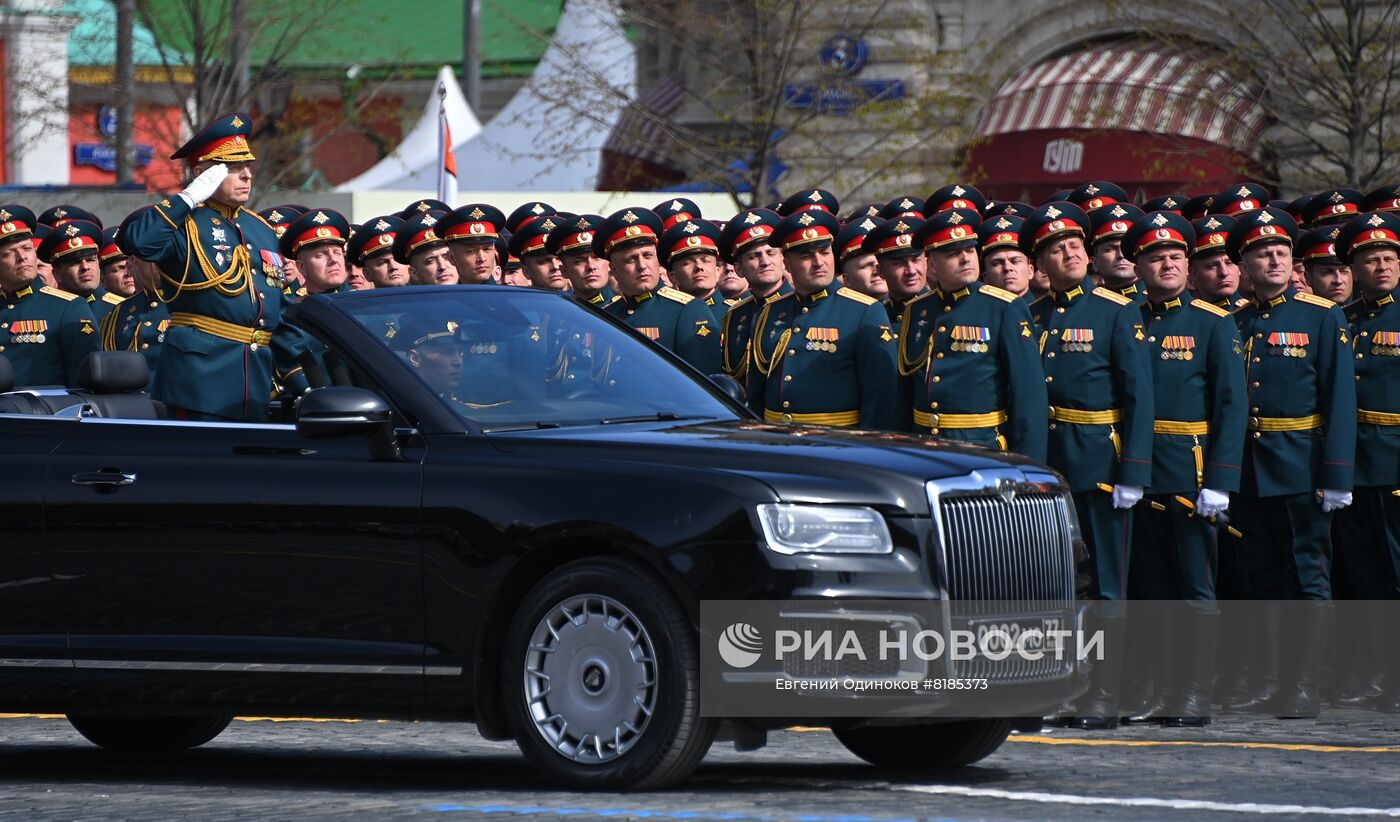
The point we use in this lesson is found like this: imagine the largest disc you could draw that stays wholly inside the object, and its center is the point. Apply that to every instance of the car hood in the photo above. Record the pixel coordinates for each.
(800, 463)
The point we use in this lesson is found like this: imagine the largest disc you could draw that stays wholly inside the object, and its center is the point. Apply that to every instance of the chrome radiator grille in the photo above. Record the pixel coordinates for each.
(1008, 559)
(1017, 551)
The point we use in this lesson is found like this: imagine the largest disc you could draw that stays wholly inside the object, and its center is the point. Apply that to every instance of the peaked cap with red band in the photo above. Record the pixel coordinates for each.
(1368, 231)
(627, 227)
(746, 228)
(315, 227)
(226, 140)
(1050, 222)
(1211, 232)
(807, 230)
(1157, 230)
(1259, 227)
(687, 238)
(73, 237)
(474, 223)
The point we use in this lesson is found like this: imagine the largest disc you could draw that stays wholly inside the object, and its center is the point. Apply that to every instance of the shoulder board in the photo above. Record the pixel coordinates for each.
(256, 216)
(1112, 296)
(1304, 297)
(740, 302)
(615, 298)
(62, 295)
(1210, 308)
(1241, 302)
(1000, 293)
(852, 294)
(114, 299)
(778, 295)
(917, 297)
(674, 295)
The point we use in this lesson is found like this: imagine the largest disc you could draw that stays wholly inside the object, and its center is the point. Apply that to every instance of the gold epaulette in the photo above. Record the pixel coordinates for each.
(256, 216)
(1241, 303)
(1109, 294)
(852, 294)
(114, 299)
(1305, 297)
(62, 295)
(1000, 293)
(673, 295)
(615, 298)
(732, 301)
(1210, 308)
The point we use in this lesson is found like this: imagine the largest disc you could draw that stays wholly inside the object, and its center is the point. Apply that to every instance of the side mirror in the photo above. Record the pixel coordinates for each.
(731, 387)
(324, 413)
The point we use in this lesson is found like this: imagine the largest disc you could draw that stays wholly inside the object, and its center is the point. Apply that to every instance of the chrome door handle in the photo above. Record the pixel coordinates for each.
(104, 479)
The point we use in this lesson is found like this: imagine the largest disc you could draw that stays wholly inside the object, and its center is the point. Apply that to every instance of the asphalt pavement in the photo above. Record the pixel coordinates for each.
(1345, 764)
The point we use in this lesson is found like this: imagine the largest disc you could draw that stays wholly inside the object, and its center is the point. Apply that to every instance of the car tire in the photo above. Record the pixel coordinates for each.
(926, 747)
(601, 679)
(149, 734)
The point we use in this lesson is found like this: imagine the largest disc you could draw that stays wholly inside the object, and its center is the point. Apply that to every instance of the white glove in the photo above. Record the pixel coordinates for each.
(1334, 500)
(203, 187)
(1126, 496)
(1211, 503)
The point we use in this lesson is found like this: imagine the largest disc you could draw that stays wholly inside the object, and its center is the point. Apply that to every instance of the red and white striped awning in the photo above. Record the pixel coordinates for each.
(1131, 88)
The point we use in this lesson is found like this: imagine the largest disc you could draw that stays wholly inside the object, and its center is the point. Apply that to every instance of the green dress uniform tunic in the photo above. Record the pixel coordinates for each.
(1302, 437)
(1198, 441)
(46, 334)
(138, 324)
(1099, 382)
(221, 279)
(824, 359)
(1369, 529)
(973, 369)
(736, 331)
(676, 321)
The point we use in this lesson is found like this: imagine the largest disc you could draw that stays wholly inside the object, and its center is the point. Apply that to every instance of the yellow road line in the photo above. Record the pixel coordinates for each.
(1149, 743)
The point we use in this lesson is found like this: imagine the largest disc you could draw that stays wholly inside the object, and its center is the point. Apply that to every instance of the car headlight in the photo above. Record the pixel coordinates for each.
(824, 529)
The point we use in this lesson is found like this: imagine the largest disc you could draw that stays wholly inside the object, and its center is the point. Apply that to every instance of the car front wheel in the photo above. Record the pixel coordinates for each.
(932, 747)
(149, 734)
(601, 678)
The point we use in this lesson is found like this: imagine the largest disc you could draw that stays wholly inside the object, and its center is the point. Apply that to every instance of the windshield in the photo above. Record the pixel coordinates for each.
(509, 358)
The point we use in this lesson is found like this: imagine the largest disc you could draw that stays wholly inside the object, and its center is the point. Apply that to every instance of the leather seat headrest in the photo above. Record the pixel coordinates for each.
(113, 372)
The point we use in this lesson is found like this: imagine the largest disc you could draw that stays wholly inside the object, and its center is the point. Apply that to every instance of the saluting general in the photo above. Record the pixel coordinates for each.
(220, 275)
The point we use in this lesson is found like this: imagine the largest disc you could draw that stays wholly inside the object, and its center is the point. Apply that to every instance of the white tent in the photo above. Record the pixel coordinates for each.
(549, 136)
(413, 162)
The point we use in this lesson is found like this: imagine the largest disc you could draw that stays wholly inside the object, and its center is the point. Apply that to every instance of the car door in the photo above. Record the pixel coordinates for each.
(35, 669)
(238, 564)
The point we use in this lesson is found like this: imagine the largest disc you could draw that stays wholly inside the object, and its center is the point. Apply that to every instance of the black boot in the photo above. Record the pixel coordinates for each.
(1197, 662)
(1237, 660)
(1098, 710)
(1155, 687)
(1266, 658)
(1302, 696)
(1360, 670)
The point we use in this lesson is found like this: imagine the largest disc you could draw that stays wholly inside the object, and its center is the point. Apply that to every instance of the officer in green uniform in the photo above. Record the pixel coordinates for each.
(968, 350)
(689, 250)
(471, 233)
(1213, 276)
(745, 243)
(860, 270)
(900, 262)
(114, 264)
(572, 242)
(1299, 455)
(1332, 207)
(670, 318)
(418, 246)
(72, 251)
(1239, 199)
(139, 322)
(1004, 264)
(955, 195)
(371, 248)
(1099, 382)
(822, 355)
(1368, 549)
(1326, 275)
(44, 332)
(526, 212)
(221, 278)
(1115, 271)
(529, 243)
(1198, 443)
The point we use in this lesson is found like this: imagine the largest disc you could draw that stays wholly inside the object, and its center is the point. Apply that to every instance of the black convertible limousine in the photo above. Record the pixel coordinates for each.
(499, 506)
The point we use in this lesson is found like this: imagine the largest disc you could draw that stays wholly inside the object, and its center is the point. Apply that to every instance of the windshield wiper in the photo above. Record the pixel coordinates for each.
(664, 416)
(519, 426)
